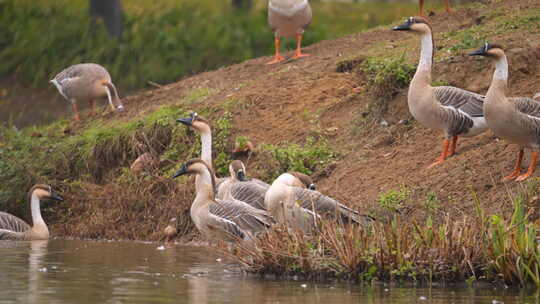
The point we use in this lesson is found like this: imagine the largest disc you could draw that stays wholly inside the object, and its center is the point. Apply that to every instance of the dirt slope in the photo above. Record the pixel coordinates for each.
(290, 101)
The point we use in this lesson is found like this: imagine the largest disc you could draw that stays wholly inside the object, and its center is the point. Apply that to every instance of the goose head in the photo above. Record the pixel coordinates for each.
(296, 179)
(196, 122)
(199, 167)
(494, 51)
(44, 192)
(414, 24)
(237, 170)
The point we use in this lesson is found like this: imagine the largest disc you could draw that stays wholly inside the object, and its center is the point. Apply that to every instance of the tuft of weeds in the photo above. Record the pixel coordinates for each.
(393, 200)
(314, 155)
(473, 248)
(385, 78)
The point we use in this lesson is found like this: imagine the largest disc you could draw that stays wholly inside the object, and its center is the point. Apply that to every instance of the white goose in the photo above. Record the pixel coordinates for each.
(292, 200)
(13, 228)
(87, 82)
(514, 119)
(455, 112)
(228, 220)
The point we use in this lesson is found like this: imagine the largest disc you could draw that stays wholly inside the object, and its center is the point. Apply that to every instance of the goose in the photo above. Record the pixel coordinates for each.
(421, 4)
(456, 112)
(292, 199)
(13, 228)
(251, 191)
(288, 18)
(514, 119)
(228, 220)
(86, 82)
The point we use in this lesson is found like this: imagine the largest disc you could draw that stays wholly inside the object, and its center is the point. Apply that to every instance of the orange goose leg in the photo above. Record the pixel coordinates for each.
(532, 166)
(92, 106)
(421, 12)
(444, 154)
(517, 169)
(448, 8)
(453, 146)
(298, 53)
(277, 57)
(75, 111)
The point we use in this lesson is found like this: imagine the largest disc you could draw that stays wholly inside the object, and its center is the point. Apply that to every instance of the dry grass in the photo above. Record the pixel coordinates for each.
(477, 247)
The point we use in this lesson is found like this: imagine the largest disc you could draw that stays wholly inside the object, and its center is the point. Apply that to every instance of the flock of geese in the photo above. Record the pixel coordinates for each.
(239, 208)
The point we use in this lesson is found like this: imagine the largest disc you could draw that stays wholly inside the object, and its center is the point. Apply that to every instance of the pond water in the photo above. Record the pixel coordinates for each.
(73, 271)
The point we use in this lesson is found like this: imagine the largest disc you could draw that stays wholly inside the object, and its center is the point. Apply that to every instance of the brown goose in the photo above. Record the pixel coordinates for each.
(87, 82)
(238, 186)
(217, 219)
(288, 18)
(13, 228)
(421, 4)
(455, 112)
(292, 199)
(514, 119)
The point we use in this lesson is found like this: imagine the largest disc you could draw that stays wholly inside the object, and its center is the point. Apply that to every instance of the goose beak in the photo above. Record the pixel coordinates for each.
(182, 171)
(186, 121)
(480, 52)
(402, 27)
(241, 176)
(56, 197)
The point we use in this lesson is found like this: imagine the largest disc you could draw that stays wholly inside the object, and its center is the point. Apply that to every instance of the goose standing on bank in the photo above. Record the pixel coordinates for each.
(514, 119)
(456, 112)
(288, 18)
(238, 186)
(87, 82)
(446, 2)
(13, 228)
(292, 199)
(217, 219)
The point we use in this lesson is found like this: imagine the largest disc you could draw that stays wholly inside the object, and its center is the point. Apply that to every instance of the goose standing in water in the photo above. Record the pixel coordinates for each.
(288, 18)
(228, 220)
(87, 82)
(456, 112)
(13, 228)
(238, 186)
(421, 4)
(292, 199)
(514, 119)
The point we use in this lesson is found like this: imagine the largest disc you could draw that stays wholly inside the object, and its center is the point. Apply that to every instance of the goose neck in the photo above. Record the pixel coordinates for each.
(206, 147)
(423, 71)
(37, 220)
(499, 83)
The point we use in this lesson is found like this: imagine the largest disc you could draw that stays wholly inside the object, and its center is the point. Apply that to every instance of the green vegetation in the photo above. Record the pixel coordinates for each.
(393, 200)
(161, 41)
(313, 156)
(473, 248)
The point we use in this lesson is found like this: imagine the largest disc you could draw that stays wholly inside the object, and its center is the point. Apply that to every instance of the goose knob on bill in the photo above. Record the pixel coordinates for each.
(288, 18)
(514, 119)
(13, 228)
(87, 82)
(455, 112)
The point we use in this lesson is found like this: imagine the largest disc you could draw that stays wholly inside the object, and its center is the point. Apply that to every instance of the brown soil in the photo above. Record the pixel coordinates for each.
(290, 101)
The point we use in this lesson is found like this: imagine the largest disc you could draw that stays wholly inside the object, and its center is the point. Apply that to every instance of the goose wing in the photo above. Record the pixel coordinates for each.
(12, 227)
(245, 216)
(531, 109)
(468, 102)
(322, 204)
(215, 222)
(251, 192)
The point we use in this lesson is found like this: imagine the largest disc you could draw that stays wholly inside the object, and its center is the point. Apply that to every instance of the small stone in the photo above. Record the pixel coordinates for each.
(422, 298)
(304, 285)
(161, 248)
(218, 260)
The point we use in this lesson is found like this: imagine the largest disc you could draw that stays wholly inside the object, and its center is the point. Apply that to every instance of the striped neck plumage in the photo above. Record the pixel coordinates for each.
(426, 54)
(501, 69)
(36, 211)
(206, 148)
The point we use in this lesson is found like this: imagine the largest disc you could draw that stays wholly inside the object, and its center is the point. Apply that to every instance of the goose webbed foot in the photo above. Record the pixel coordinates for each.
(531, 169)
(444, 154)
(517, 169)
